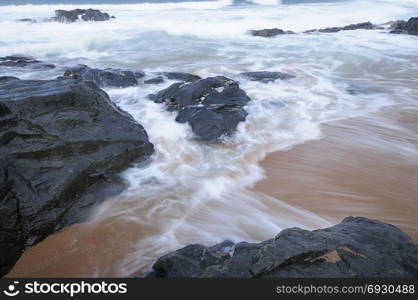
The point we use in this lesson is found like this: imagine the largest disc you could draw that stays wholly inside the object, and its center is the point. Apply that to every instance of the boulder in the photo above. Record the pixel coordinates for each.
(63, 143)
(104, 78)
(23, 61)
(213, 106)
(266, 76)
(270, 32)
(357, 247)
(71, 16)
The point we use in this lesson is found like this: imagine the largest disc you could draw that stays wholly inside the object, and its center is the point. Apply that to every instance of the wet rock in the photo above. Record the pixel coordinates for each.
(154, 80)
(178, 76)
(22, 61)
(412, 26)
(402, 27)
(213, 106)
(71, 16)
(365, 25)
(265, 76)
(181, 76)
(103, 78)
(63, 143)
(270, 32)
(357, 247)
(139, 74)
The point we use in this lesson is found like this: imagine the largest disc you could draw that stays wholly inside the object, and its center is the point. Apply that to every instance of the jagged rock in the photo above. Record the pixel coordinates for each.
(213, 106)
(357, 247)
(265, 76)
(270, 32)
(70, 16)
(62, 143)
(22, 61)
(104, 78)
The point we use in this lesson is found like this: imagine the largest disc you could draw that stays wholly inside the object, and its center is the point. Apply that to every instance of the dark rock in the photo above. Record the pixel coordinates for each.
(365, 25)
(270, 32)
(398, 25)
(27, 20)
(402, 27)
(412, 26)
(357, 247)
(62, 143)
(213, 106)
(155, 80)
(179, 76)
(139, 74)
(22, 61)
(186, 77)
(103, 78)
(265, 76)
(70, 16)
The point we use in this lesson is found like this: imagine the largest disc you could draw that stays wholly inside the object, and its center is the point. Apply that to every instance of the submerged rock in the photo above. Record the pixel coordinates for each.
(63, 143)
(71, 16)
(178, 76)
(213, 106)
(266, 76)
(22, 61)
(357, 247)
(154, 80)
(104, 78)
(187, 77)
(402, 27)
(27, 20)
(270, 32)
(365, 25)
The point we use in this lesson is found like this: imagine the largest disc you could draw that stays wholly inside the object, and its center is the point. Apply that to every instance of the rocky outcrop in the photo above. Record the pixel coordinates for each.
(22, 61)
(104, 78)
(357, 247)
(71, 16)
(365, 25)
(403, 27)
(266, 76)
(213, 106)
(62, 144)
(270, 32)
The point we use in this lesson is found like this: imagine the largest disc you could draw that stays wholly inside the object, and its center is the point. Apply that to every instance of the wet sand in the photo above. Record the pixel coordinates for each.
(365, 166)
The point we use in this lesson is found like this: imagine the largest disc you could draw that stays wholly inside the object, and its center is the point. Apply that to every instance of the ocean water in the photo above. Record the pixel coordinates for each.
(194, 192)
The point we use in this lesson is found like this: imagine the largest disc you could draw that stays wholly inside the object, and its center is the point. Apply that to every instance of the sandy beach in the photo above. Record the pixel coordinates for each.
(364, 166)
